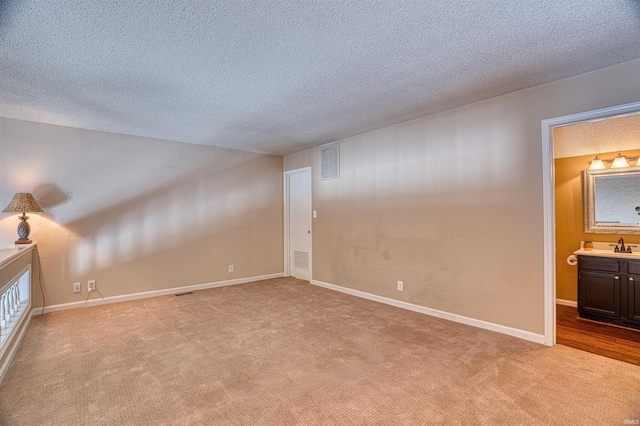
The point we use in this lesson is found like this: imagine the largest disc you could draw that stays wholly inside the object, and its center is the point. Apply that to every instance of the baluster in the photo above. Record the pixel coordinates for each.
(13, 303)
(16, 291)
(12, 300)
(7, 313)
(2, 321)
(12, 291)
(10, 305)
(12, 311)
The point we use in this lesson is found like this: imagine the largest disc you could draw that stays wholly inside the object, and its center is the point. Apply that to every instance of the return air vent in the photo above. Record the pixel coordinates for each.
(300, 259)
(331, 162)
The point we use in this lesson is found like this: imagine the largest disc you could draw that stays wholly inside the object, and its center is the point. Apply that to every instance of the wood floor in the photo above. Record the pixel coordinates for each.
(614, 342)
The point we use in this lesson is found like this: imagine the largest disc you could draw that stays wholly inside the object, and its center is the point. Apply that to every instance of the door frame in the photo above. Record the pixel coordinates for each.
(285, 186)
(548, 202)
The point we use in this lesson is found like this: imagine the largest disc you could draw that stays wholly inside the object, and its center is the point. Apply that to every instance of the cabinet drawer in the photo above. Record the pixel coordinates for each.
(634, 267)
(599, 264)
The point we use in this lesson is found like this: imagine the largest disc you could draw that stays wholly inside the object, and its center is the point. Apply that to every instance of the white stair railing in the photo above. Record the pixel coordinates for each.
(15, 300)
(11, 307)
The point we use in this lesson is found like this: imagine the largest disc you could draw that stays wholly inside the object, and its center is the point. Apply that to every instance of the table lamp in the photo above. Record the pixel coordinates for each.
(23, 203)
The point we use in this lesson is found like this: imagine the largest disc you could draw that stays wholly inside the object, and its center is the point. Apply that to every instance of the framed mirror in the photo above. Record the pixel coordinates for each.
(612, 201)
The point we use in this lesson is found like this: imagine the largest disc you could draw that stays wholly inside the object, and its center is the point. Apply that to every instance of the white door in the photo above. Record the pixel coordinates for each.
(299, 213)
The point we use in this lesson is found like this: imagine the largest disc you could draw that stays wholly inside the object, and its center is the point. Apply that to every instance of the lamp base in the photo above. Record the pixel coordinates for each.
(23, 230)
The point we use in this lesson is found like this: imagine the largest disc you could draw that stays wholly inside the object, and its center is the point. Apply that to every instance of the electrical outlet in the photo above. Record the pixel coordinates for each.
(230, 268)
(76, 288)
(91, 285)
(400, 286)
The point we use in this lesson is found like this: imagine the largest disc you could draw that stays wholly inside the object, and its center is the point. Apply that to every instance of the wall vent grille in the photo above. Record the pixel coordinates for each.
(300, 259)
(331, 162)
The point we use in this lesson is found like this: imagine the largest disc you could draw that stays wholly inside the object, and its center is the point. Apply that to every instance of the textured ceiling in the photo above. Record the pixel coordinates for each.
(596, 137)
(280, 76)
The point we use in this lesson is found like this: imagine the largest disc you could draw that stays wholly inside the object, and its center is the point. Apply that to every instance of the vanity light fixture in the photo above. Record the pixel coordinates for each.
(619, 162)
(597, 164)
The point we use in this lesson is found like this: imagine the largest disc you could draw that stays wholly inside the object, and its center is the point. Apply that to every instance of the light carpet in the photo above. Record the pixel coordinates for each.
(286, 352)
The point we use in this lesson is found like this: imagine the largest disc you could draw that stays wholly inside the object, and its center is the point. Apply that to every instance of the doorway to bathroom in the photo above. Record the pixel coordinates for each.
(572, 144)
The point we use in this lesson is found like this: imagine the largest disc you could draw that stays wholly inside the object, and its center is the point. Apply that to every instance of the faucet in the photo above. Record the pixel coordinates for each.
(620, 247)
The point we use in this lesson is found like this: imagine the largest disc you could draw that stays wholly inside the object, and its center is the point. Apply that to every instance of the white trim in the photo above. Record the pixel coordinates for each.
(549, 234)
(285, 219)
(7, 362)
(16, 277)
(548, 203)
(565, 302)
(25, 311)
(522, 334)
(285, 198)
(155, 293)
(23, 249)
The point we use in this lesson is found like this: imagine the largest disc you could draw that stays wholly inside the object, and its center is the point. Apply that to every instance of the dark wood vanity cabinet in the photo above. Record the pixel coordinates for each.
(633, 281)
(609, 290)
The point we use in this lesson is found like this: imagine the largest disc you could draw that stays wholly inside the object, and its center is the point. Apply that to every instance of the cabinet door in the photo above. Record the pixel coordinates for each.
(599, 294)
(633, 285)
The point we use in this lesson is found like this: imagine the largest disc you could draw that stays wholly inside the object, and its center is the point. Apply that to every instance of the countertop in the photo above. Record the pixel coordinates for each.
(608, 253)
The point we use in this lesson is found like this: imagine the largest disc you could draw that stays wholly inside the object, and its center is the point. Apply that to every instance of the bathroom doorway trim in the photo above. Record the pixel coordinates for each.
(549, 202)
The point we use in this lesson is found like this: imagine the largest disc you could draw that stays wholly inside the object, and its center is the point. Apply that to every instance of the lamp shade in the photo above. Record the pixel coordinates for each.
(619, 162)
(22, 202)
(596, 164)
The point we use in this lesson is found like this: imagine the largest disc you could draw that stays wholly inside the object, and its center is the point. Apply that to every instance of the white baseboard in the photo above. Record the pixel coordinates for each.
(567, 302)
(522, 334)
(7, 362)
(154, 293)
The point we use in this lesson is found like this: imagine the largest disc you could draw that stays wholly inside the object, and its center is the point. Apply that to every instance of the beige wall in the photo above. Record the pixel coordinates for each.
(139, 214)
(569, 216)
(452, 203)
